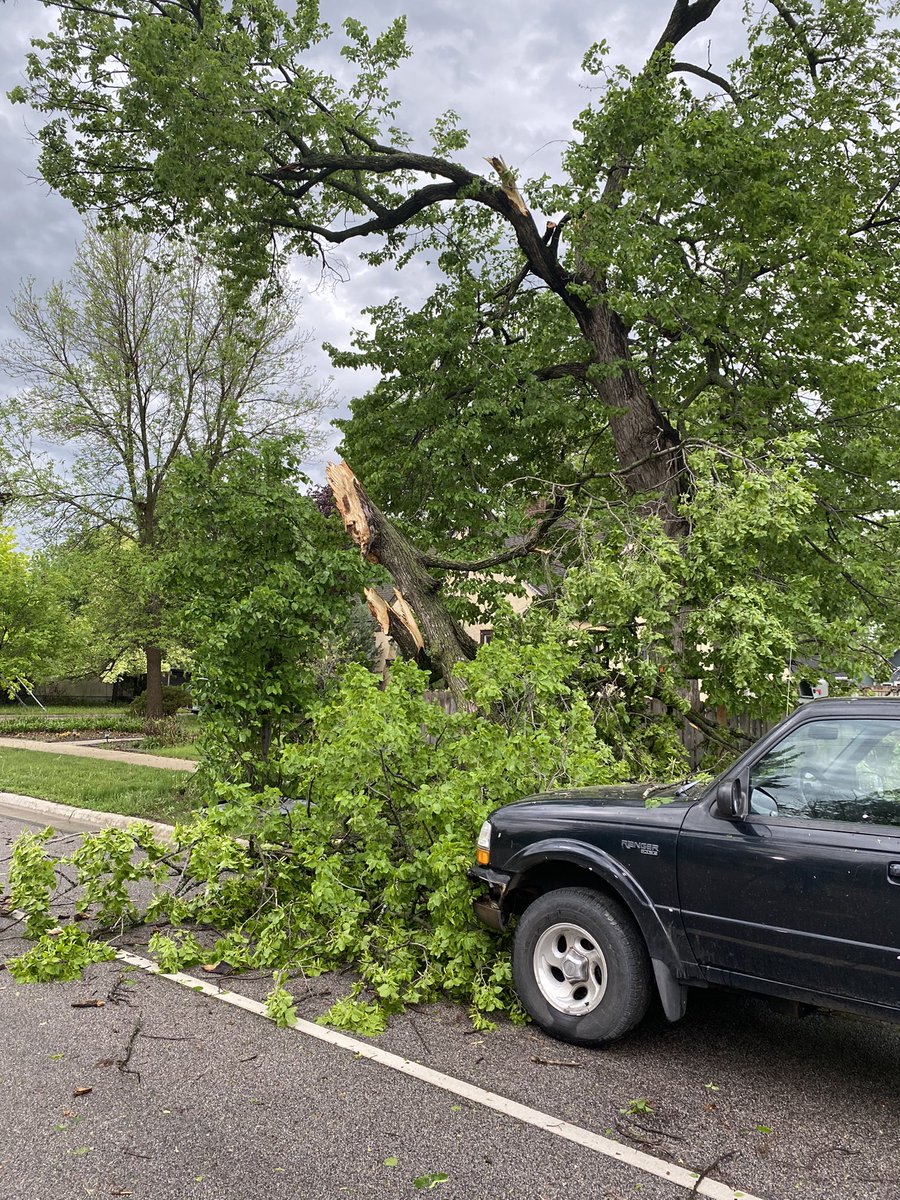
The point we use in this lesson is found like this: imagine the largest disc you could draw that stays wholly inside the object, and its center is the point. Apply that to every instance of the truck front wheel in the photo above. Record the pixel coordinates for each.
(580, 966)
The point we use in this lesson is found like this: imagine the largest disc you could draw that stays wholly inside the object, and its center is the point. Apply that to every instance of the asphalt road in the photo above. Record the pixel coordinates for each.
(192, 1098)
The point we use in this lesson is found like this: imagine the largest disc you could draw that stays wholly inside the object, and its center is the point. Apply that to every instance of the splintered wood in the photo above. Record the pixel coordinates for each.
(397, 620)
(352, 504)
(508, 184)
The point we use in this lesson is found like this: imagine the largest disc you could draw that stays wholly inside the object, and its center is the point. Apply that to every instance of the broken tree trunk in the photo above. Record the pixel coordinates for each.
(397, 621)
(418, 619)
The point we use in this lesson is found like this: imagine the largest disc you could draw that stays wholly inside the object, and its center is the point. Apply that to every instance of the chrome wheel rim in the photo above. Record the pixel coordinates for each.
(570, 969)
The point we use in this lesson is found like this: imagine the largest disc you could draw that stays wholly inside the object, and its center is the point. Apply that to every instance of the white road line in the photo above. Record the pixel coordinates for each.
(659, 1167)
(671, 1172)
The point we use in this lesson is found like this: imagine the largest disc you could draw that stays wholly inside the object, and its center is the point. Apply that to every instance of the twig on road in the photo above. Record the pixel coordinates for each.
(162, 1037)
(712, 1166)
(122, 1063)
(633, 1128)
(118, 993)
(554, 1062)
(417, 1031)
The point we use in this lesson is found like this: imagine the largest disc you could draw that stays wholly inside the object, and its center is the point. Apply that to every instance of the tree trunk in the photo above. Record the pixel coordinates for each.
(418, 610)
(154, 683)
(648, 447)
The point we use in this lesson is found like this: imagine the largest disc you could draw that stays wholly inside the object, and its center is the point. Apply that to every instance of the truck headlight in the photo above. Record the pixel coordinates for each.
(483, 853)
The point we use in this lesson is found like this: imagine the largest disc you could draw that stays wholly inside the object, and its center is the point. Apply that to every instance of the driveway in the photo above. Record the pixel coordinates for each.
(192, 1097)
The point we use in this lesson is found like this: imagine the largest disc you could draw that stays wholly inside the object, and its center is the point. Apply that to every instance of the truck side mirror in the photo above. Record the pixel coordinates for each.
(731, 800)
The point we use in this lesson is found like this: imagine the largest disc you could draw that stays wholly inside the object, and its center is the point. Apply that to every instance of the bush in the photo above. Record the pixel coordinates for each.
(78, 727)
(170, 731)
(173, 698)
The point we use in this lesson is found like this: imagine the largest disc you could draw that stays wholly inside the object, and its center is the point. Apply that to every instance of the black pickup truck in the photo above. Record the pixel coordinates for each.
(781, 877)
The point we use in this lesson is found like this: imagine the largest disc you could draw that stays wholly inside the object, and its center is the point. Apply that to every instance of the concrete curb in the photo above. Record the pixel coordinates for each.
(119, 756)
(72, 820)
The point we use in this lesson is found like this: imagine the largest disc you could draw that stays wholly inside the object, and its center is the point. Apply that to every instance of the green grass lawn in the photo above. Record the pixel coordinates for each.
(189, 750)
(141, 792)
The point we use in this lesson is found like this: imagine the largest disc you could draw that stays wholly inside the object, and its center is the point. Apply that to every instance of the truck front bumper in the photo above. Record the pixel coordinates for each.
(490, 909)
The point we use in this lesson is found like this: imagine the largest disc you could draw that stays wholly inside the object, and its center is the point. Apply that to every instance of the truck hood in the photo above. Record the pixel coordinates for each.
(635, 806)
(619, 795)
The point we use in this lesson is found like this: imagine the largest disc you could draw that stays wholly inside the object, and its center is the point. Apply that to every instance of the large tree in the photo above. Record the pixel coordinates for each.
(690, 365)
(140, 359)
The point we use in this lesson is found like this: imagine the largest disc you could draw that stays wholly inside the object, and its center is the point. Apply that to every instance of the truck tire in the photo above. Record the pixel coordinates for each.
(580, 966)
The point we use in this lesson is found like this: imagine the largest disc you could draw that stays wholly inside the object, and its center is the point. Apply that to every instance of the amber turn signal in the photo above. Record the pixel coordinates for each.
(482, 857)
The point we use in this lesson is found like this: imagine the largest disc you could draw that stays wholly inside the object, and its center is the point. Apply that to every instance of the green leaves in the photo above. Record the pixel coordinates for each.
(359, 856)
(280, 1005)
(431, 1180)
(59, 957)
(177, 952)
(106, 863)
(33, 633)
(201, 111)
(396, 790)
(32, 881)
(263, 582)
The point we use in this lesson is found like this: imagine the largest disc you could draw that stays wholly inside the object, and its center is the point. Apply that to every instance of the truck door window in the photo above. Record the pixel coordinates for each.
(834, 770)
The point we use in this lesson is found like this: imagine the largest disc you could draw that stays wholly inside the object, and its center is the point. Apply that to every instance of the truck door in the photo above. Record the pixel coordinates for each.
(805, 891)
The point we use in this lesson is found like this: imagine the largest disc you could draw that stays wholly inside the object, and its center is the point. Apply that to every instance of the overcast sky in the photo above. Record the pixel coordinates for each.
(510, 68)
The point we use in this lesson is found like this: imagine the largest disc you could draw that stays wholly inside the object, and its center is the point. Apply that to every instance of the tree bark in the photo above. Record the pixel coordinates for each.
(433, 629)
(154, 709)
(648, 448)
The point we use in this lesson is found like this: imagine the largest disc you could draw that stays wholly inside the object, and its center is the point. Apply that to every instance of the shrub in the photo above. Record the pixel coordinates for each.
(173, 698)
(170, 731)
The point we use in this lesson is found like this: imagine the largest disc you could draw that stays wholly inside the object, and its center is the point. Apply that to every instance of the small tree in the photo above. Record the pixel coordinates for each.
(140, 360)
(102, 579)
(262, 580)
(33, 626)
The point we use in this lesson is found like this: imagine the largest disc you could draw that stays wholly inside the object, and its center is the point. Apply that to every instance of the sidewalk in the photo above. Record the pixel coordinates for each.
(128, 756)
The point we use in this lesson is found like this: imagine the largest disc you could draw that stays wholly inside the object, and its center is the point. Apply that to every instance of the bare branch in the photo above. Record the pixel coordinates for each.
(710, 77)
(530, 542)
